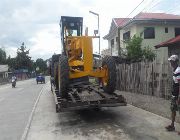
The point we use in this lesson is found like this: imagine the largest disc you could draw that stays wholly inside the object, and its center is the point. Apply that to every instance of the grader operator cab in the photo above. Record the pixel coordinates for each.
(72, 69)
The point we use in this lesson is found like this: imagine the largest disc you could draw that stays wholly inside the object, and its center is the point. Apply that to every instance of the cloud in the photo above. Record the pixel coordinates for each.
(48, 40)
(36, 22)
(23, 21)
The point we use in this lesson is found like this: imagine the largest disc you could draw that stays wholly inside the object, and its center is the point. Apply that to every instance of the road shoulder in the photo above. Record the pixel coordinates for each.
(128, 123)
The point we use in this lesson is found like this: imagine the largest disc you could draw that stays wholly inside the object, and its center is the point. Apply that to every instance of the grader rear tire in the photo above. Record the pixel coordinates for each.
(63, 75)
(54, 70)
(109, 81)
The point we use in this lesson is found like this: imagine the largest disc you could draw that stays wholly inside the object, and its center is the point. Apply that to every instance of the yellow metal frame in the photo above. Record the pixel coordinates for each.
(80, 57)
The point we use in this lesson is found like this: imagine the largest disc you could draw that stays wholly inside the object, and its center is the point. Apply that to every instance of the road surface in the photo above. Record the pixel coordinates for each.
(15, 107)
(119, 123)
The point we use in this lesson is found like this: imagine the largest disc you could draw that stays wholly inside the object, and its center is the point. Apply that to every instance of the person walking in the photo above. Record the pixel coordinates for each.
(175, 99)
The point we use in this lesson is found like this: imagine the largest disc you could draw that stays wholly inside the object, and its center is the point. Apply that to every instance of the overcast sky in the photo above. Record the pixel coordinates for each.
(36, 22)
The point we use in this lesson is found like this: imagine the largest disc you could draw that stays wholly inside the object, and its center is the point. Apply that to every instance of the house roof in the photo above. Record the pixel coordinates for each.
(170, 42)
(3, 68)
(121, 21)
(141, 17)
(156, 16)
(116, 23)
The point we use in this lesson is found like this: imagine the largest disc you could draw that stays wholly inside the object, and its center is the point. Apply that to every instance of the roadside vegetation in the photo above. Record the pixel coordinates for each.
(136, 52)
(22, 60)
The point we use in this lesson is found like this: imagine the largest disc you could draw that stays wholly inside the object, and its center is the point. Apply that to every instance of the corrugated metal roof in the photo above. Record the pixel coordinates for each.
(3, 68)
(121, 21)
(169, 42)
(156, 16)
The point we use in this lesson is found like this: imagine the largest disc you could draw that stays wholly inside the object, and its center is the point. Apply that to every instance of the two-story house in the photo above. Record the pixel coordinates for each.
(113, 36)
(154, 28)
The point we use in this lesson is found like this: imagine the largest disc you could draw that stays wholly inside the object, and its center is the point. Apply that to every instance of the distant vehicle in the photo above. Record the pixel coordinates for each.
(14, 81)
(40, 78)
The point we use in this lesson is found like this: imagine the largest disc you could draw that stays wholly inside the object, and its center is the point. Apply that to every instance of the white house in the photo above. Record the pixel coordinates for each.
(113, 36)
(154, 28)
(3, 71)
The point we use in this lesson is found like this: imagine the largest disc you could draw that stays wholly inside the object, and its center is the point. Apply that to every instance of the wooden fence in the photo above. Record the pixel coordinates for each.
(148, 78)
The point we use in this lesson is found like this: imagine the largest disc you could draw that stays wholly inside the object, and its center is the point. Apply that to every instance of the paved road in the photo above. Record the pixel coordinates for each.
(15, 107)
(120, 123)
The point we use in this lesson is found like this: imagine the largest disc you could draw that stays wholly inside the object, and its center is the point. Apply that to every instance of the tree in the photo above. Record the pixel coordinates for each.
(148, 54)
(2, 56)
(11, 63)
(41, 64)
(135, 51)
(23, 59)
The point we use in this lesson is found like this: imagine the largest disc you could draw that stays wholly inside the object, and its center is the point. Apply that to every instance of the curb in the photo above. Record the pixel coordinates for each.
(28, 125)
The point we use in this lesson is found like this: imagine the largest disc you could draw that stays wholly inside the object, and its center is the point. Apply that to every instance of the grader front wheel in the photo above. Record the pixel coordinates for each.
(63, 75)
(109, 80)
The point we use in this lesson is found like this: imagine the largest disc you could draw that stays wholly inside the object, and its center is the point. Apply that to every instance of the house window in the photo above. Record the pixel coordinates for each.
(177, 31)
(117, 39)
(112, 43)
(166, 29)
(149, 33)
(126, 35)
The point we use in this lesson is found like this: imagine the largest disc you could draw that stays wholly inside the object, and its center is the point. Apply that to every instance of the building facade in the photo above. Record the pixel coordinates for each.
(3, 71)
(154, 28)
(3, 74)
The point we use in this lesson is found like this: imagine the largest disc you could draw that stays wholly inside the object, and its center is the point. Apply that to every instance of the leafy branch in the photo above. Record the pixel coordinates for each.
(135, 51)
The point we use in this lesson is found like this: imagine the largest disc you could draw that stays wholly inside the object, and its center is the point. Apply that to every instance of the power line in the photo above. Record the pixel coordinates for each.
(173, 8)
(147, 6)
(132, 11)
(166, 11)
(154, 5)
(135, 8)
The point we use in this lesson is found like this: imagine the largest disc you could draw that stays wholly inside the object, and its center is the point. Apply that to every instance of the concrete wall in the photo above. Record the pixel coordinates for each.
(3, 74)
(138, 29)
(4, 77)
(160, 36)
(114, 49)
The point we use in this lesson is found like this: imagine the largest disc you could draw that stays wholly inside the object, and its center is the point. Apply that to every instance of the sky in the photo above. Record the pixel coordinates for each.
(36, 22)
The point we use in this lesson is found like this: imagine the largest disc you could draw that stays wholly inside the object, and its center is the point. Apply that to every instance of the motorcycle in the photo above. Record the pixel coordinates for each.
(13, 83)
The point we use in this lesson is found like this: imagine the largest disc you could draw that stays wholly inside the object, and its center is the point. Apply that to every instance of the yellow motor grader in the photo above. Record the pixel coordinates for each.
(72, 69)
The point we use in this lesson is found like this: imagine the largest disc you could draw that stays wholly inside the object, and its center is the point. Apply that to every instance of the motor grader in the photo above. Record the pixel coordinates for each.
(72, 70)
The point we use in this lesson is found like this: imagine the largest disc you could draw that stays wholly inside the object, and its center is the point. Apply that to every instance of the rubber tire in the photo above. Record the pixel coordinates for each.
(54, 69)
(63, 69)
(55, 59)
(111, 84)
